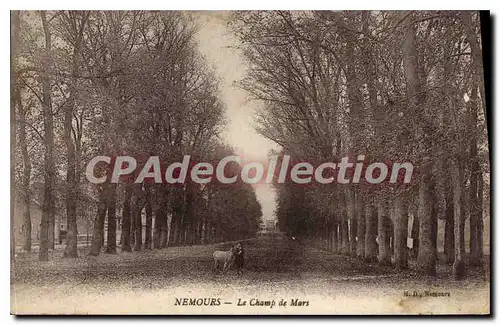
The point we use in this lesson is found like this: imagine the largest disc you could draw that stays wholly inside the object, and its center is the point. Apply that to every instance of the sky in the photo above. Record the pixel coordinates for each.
(215, 42)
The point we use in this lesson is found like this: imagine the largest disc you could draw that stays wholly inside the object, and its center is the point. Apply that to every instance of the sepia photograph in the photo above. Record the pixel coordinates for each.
(272, 162)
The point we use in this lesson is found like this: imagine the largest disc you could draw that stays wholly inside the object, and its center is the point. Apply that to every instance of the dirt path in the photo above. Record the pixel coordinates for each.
(158, 281)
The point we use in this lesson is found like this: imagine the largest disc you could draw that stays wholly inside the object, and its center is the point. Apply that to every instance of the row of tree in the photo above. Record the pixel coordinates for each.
(393, 86)
(88, 83)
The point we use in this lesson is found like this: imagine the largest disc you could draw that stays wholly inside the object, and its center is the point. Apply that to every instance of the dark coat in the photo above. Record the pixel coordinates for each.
(239, 260)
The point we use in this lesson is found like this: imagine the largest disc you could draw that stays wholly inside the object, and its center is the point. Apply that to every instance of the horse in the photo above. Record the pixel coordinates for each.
(225, 258)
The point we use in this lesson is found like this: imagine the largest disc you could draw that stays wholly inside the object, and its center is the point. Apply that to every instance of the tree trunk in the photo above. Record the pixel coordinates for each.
(161, 224)
(204, 238)
(371, 233)
(132, 223)
(149, 219)
(136, 215)
(360, 252)
(447, 122)
(325, 238)
(199, 233)
(157, 228)
(458, 203)
(196, 232)
(474, 203)
(164, 235)
(71, 192)
(383, 233)
(426, 259)
(185, 232)
(344, 228)
(415, 234)
(111, 240)
(126, 219)
(434, 229)
(97, 240)
(400, 233)
(103, 231)
(480, 226)
(138, 229)
(181, 229)
(206, 231)
(26, 191)
(188, 232)
(71, 181)
(335, 238)
(51, 230)
(158, 219)
(78, 173)
(49, 169)
(391, 233)
(353, 226)
(193, 230)
(339, 243)
(449, 235)
(15, 45)
(175, 231)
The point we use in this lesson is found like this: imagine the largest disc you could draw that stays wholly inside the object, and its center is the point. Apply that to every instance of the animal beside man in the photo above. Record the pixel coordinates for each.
(233, 258)
(224, 259)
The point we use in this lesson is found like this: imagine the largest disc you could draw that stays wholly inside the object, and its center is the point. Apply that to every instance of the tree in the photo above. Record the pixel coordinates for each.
(48, 201)
(74, 24)
(372, 83)
(15, 99)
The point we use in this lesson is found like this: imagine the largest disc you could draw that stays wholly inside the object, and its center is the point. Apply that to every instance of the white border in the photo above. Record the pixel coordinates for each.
(192, 5)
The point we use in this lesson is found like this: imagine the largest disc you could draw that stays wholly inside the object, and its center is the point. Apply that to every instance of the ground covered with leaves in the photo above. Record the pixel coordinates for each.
(154, 281)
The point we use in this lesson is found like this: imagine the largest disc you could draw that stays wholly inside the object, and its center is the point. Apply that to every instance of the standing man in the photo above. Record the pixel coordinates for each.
(239, 260)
